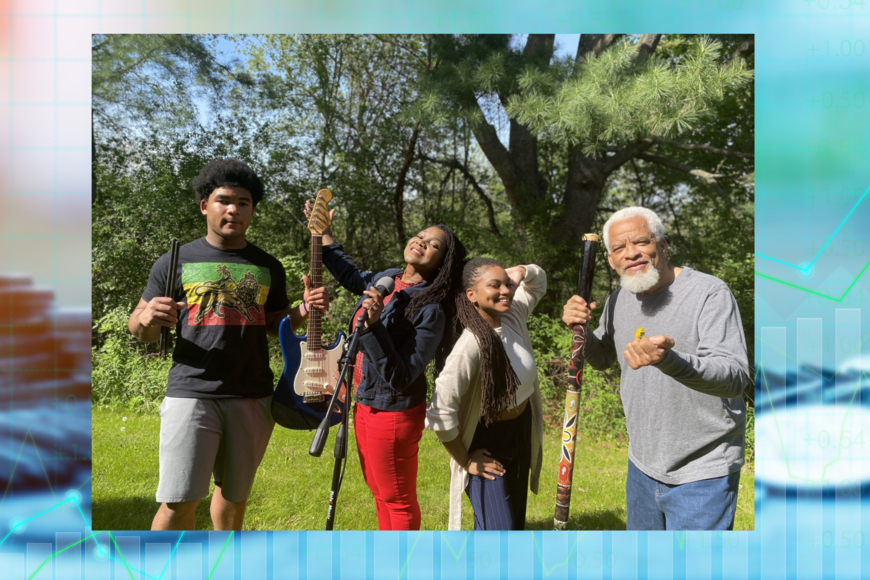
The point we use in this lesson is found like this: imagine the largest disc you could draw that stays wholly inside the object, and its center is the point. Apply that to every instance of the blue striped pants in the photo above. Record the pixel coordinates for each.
(500, 504)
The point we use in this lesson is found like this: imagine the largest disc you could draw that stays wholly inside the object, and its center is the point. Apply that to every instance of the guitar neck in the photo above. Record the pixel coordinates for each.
(314, 316)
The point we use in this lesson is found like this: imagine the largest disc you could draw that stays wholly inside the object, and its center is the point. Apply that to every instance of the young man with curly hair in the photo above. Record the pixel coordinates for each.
(229, 295)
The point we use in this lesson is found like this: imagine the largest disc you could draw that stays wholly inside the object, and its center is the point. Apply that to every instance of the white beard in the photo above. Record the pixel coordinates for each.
(639, 283)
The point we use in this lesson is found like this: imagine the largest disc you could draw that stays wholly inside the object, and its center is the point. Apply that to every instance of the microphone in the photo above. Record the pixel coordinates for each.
(384, 286)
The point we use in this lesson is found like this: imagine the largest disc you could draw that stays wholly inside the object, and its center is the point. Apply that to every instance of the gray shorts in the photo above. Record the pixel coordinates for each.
(198, 437)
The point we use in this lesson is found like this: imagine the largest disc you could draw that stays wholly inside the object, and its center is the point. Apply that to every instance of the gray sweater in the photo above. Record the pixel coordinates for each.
(685, 416)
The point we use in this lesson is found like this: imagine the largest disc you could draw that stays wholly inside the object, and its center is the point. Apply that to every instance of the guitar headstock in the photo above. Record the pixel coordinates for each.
(319, 219)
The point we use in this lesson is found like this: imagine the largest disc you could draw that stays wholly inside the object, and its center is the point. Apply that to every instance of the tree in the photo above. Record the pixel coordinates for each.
(153, 84)
(621, 99)
(342, 104)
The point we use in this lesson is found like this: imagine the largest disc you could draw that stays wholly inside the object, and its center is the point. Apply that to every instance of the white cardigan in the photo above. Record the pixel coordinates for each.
(455, 406)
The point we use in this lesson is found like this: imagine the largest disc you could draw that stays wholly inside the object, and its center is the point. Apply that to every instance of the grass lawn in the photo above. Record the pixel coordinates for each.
(291, 488)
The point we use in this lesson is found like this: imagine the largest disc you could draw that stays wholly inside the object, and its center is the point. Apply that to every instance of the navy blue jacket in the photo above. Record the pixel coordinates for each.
(395, 354)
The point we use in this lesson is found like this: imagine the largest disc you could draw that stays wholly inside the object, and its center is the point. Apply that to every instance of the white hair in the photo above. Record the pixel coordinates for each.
(653, 222)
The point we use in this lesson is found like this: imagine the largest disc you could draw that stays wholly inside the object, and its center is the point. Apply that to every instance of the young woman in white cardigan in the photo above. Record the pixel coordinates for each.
(486, 409)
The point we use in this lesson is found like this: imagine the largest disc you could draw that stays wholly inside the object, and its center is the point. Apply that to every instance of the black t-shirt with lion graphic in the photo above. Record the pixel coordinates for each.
(221, 350)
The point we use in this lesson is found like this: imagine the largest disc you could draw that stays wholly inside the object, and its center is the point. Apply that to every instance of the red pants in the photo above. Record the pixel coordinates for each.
(388, 442)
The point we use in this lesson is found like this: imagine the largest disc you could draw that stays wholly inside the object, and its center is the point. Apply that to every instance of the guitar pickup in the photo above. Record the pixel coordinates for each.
(312, 397)
(315, 355)
(314, 371)
(315, 385)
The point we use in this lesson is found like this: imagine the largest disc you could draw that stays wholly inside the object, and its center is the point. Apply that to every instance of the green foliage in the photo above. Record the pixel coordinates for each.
(125, 372)
(601, 415)
(148, 82)
(551, 340)
(613, 99)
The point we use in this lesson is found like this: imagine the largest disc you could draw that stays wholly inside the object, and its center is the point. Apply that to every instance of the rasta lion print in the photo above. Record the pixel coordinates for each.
(225, 294)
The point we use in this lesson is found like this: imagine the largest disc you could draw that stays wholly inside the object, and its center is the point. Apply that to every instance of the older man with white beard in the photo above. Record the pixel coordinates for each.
(684, 368)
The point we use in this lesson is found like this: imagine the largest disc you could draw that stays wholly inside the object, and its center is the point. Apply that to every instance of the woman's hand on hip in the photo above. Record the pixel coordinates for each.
(483, 465)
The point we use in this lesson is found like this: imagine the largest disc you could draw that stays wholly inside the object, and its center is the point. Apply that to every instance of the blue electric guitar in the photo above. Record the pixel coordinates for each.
(310, 370)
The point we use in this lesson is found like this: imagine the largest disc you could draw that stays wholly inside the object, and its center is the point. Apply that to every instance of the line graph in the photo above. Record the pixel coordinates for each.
(806, 268)
(100, 547)
(29, 434)
(20, 525)
(835, 299)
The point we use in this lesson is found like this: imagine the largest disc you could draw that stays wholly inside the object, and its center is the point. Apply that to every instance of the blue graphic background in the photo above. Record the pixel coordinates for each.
(812, 66)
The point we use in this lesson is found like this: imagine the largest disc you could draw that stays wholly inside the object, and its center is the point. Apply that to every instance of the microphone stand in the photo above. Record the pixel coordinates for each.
(319, 440)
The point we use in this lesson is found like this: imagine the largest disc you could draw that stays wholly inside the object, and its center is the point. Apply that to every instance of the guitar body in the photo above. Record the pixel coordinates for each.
(301, 397)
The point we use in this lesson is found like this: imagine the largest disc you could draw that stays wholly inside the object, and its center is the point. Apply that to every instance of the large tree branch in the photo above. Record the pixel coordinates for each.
(709, 178)
(523, 143)
(399, 192)
(590, 46)
(700, 147)
(586, 174)
(503, 163)
(540, 48)
(456, 164)
(634, 149)
(646, 46)
(583, 187)
(745, 48)
(625, 154)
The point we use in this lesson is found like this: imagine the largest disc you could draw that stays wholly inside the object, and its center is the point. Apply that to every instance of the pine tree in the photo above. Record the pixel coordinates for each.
(622, 98)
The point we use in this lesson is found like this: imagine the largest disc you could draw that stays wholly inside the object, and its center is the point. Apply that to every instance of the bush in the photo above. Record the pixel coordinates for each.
(126, 372)
(601, 416)
(551, 342)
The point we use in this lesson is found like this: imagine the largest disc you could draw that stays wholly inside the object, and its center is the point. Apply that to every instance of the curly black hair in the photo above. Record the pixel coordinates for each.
(498, 381)
(227, 172)
(441, 290)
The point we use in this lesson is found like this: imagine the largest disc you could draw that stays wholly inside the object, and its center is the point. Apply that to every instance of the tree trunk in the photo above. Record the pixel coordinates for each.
(523, 188)
(399, 192)
(583, 191)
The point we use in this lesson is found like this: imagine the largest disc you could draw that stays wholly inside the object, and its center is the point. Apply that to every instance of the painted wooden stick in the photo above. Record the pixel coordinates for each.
(572, 396)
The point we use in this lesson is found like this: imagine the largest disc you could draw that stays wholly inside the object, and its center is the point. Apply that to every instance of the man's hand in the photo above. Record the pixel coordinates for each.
(641, 352)
(576, 311)
(160, 311)
(317, 299)
(148, 317)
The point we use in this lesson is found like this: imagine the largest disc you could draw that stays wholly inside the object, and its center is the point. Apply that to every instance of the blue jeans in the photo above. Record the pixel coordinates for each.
(708, 504)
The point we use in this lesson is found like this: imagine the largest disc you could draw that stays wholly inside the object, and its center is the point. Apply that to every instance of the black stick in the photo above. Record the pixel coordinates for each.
(170, 292)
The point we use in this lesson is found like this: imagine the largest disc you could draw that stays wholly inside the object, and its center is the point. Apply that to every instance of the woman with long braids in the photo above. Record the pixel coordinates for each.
(403, 332)
(487, 404)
